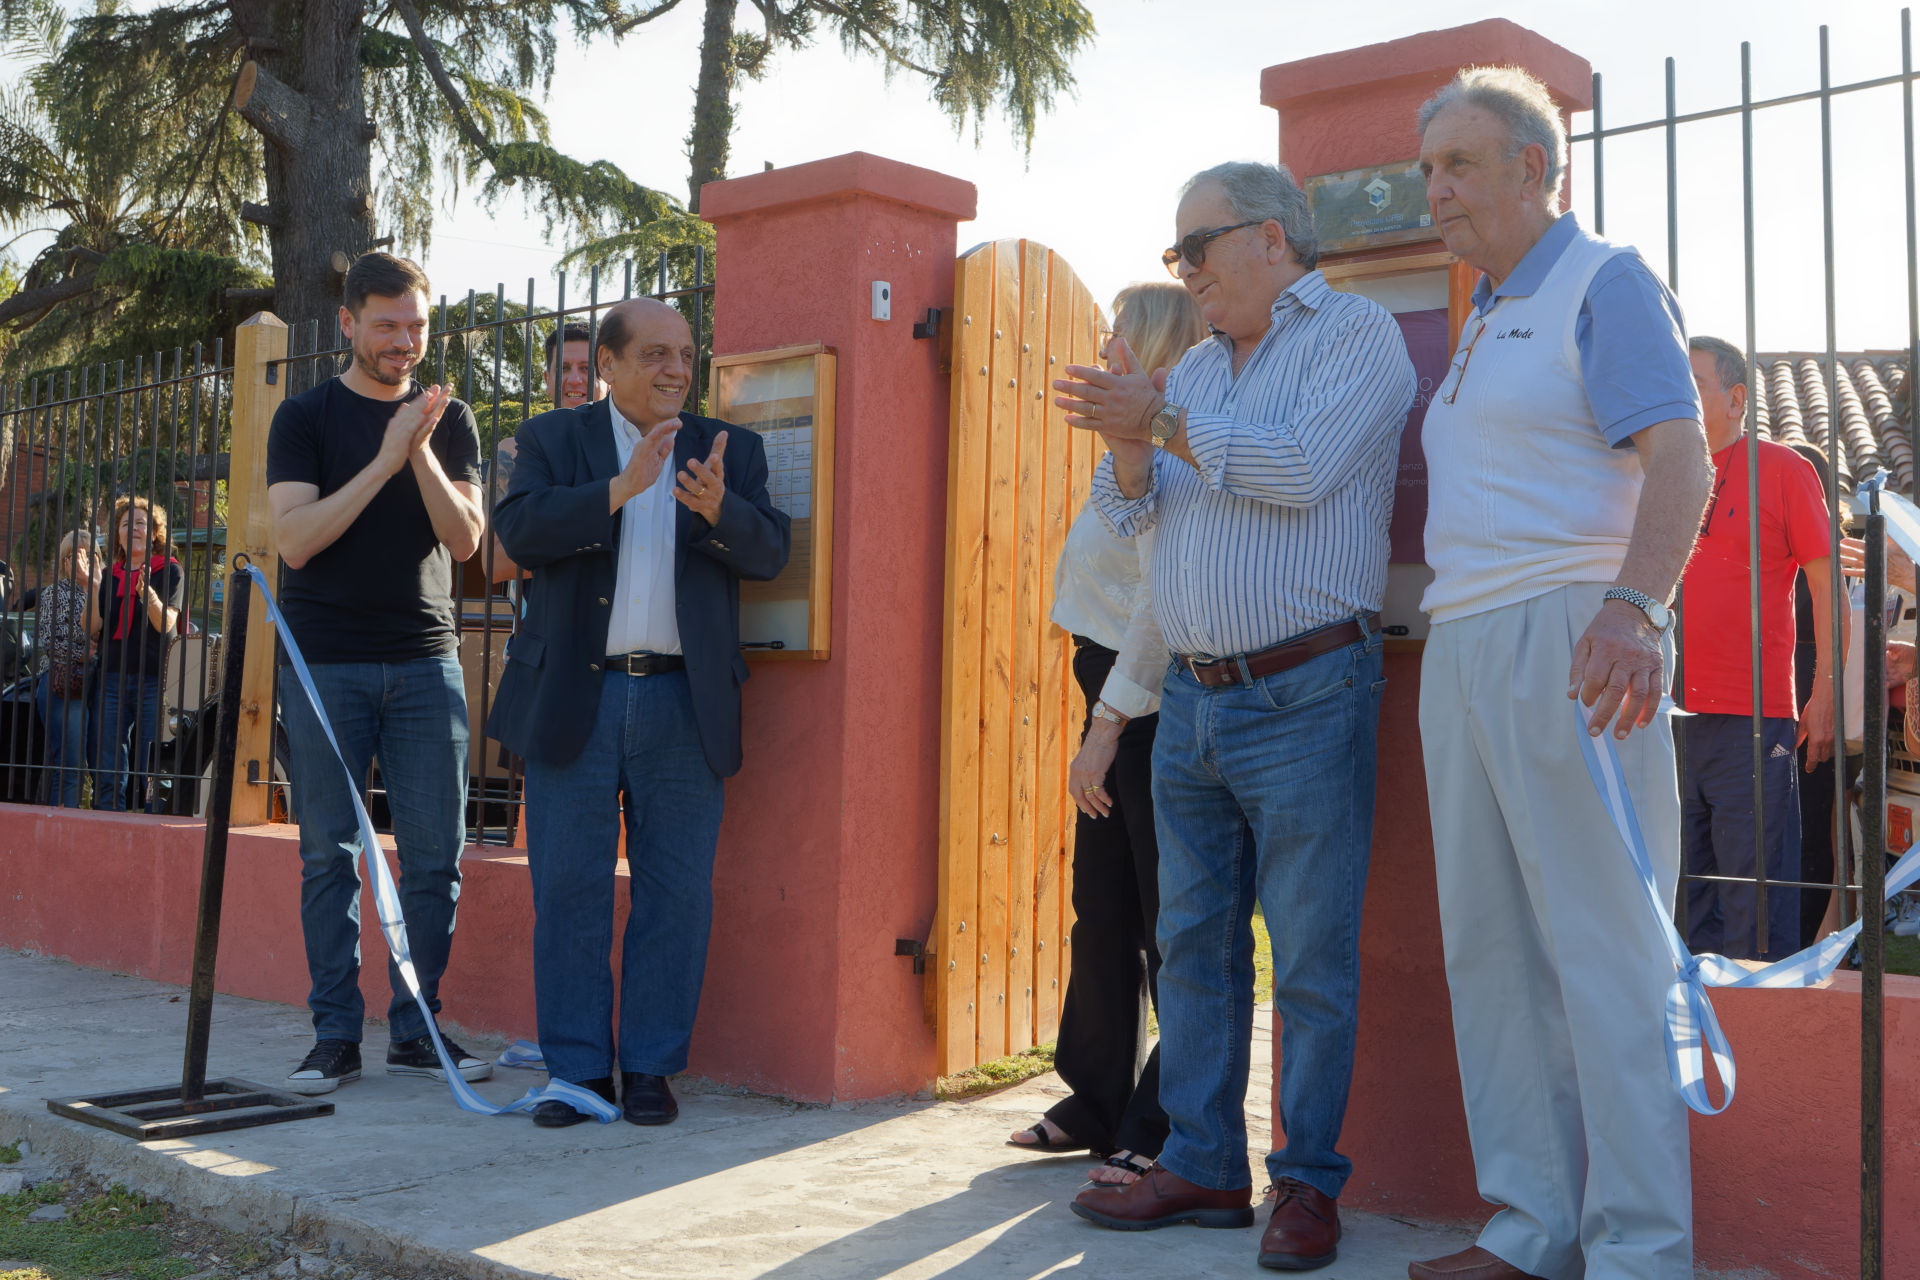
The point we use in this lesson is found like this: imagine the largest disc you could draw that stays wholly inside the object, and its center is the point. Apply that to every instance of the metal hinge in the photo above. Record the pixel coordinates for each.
(912, 947)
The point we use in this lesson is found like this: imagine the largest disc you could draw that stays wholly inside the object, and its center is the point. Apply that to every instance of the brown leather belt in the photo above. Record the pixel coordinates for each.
(1287, 654)
(645, 664)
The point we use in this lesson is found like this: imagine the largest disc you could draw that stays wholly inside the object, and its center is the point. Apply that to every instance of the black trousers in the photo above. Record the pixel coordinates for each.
(1101, 1053)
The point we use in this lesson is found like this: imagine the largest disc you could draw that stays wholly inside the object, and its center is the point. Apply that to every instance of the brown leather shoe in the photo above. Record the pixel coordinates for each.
(1162, 1199)
(1468, 1264)
(1304, 1231)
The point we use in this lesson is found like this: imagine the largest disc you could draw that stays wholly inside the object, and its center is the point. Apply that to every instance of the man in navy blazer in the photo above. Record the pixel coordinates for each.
(624, 681)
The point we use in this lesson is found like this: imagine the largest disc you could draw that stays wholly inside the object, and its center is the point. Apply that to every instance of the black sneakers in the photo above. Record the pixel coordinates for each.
(327, 1066)
(416, 1057)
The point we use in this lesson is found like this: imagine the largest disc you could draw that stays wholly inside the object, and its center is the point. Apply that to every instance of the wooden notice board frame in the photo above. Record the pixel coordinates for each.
(767, 606)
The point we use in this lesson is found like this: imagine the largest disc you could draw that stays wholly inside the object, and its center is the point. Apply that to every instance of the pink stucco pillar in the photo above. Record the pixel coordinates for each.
(830, 847)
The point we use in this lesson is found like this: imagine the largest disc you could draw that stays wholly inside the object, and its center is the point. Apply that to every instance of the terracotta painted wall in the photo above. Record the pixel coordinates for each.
(830, 849)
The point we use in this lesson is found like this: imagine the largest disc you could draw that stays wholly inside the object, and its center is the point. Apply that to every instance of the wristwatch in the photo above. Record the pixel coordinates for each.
(1165, 424)
(1658, 614)
(1101, 711)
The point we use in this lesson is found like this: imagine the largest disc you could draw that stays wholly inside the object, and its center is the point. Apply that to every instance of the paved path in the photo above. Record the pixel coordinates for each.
(740, 1186)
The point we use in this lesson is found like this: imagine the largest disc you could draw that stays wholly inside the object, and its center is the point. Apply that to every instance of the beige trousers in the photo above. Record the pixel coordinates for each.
(1556, 967)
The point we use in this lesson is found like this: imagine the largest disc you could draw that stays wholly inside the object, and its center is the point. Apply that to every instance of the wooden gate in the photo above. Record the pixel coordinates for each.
(1017, 474)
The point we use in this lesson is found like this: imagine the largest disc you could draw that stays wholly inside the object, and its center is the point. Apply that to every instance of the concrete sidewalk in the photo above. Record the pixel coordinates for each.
(740, 1186)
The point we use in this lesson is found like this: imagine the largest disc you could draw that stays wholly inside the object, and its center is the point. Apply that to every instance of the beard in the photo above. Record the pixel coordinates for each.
(370, 361)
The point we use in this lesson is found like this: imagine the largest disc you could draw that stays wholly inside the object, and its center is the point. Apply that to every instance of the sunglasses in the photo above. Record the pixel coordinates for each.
(1457, 374)
(1193, 246)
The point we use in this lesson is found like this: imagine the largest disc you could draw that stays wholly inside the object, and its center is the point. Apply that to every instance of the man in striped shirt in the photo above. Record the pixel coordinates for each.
(1266, 463)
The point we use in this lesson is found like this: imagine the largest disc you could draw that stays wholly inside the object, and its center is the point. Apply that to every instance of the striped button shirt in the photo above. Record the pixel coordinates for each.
(1283, 529)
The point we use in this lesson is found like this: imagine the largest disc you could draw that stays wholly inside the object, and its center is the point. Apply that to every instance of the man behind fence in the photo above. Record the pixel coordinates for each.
(1567, 472)
(622, 692)
(1716, 684)
(1271, 495)
(374, 483)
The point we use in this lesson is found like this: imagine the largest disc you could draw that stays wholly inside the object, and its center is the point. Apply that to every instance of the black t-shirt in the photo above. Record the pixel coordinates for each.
(383, 592)
(128, 641)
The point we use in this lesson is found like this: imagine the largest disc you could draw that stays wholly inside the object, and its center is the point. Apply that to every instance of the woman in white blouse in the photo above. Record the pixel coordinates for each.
(1100, 596)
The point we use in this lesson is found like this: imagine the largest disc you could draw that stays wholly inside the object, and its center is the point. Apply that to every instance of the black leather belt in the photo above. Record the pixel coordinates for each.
(1245, 667)
(645, 664)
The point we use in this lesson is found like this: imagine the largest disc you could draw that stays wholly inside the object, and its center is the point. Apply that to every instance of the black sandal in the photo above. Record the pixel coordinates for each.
(1133, 1162)
(1047, 1145)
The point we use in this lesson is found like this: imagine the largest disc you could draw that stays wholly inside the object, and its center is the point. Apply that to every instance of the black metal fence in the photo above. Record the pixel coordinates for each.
(81, 444)
(1861, 414)
(82, 440)
(491, 350)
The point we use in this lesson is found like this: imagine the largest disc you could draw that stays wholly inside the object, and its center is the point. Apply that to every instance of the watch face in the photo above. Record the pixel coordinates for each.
(1165, 424)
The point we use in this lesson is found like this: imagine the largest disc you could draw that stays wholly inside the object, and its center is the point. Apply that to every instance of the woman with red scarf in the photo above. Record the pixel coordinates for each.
(140, 601)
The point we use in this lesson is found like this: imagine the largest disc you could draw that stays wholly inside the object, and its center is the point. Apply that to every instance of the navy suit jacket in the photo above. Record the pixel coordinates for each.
(554, 521)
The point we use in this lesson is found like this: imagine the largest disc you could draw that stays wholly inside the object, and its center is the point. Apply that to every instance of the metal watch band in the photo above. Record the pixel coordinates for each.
(1641, 601)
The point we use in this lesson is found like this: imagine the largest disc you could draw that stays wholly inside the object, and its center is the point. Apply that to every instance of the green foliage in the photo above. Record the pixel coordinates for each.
(117, 140)
(10, 1154)
(1014, 55)
(113, 1234)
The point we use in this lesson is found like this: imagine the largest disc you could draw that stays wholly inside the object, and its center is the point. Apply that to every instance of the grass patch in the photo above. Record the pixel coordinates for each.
(1903, 955)
(989, 1076)
(112, 1233)
(10, 1154)
(1262, 960)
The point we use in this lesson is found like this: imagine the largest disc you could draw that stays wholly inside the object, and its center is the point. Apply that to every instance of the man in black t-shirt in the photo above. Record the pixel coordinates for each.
(374, 482)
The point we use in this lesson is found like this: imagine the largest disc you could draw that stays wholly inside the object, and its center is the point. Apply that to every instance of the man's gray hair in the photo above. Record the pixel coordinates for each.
(1729, 361)
(1521, 103)
(1263, 192)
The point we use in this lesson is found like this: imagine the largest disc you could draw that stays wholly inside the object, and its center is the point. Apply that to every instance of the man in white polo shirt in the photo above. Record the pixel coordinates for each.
(1568, 472)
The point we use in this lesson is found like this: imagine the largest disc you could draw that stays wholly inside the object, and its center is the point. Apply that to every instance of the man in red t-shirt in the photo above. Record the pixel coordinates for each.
(1716, 789)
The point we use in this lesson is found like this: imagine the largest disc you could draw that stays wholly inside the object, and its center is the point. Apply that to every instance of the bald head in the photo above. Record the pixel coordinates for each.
(645, 356)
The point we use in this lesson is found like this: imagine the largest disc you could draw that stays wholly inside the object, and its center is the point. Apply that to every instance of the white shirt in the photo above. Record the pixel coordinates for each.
(1524, 493)
(643, 587)
(1101, 591)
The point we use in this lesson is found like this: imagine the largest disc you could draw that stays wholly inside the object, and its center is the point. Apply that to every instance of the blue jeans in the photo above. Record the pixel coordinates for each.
(65, 720)
(413, 717)
(1263, 791)
(129, 709)
(645, 750)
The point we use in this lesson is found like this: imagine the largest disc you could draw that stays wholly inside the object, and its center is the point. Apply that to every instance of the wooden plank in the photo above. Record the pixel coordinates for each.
(1083, 348)
(258, 341)
(1029, 623)
(1060, 738)
(996, 801)
(958, 923)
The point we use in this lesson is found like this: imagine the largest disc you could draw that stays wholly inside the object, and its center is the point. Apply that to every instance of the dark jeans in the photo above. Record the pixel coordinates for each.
(413, 717)
(1115, 1104)
(1816, 840)
(65, 720)
(129, 726)
(642, 755)
(1717, 835)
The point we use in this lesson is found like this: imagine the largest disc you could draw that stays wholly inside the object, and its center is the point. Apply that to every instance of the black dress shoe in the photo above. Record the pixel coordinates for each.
(555, 1114)
(645, 1099)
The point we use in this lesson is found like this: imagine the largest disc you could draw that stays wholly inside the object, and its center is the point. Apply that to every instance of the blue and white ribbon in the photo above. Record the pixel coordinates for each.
(393, 925)
(1692, 1029)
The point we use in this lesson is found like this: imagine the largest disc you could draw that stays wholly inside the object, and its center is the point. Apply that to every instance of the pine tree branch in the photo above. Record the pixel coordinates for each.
(462, 118)
(278, 111)
(628, 23)
(881, 44)
(31, 304)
